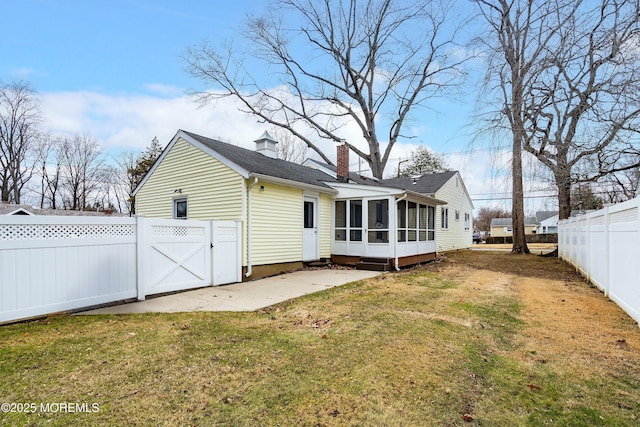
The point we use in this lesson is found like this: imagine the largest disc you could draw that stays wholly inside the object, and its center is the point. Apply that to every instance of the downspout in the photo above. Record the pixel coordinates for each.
(249, 269)
(395, 238)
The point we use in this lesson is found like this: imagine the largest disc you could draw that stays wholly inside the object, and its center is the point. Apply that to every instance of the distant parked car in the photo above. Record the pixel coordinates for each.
(477, 238)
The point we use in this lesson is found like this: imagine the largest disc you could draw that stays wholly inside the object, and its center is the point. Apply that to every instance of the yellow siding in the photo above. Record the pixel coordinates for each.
(276, 224)
(326, 201)
(500, 231)
(214, 191)
(456, 236)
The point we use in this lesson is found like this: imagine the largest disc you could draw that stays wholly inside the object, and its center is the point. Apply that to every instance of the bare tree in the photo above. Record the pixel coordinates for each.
(48, 168)
(520, 31)
(371, 63)
(582, 114)
(126, 181)
(482, 222)
(81, 168)
(289, 147)
(621, 186)
(19, 119)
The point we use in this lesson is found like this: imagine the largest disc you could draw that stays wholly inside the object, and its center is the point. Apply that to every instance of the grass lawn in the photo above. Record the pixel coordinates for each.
(482, 338)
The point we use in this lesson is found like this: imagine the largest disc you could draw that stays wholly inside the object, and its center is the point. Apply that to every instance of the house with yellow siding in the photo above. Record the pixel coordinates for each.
(293, 214)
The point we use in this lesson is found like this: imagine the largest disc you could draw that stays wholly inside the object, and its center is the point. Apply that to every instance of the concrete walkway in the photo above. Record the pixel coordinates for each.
(247, 296)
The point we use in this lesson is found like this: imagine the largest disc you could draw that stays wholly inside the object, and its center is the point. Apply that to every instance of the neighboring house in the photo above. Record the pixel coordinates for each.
(502, 227)
(547, 222)
(292, 213)
(12, 209)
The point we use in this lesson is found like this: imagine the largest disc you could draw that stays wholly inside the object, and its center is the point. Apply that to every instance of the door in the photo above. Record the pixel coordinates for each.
(227, 266)
(310, 230)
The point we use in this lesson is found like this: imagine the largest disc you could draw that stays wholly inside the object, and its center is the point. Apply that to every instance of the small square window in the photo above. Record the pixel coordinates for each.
(180, 208)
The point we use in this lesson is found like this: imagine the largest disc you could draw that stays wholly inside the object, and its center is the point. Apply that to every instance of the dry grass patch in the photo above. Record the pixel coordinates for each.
(502, 339)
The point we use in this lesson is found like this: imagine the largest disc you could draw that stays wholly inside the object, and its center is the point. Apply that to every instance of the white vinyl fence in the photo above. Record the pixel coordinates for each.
(605, 247)
(55, 263)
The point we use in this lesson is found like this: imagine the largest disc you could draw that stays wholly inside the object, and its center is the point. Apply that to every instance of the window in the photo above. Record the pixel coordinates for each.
(431, 223)
(378, 221)
(457, 215)
(308, 215)
(402, 221)
(467, 221)
(422, 223)
(407, 221)
(412, 221)
(355, 220)
(444, 218)
(180, 208)
(341, 220)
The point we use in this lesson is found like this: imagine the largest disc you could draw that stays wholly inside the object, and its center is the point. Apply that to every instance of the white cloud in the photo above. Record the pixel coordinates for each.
(130, 122)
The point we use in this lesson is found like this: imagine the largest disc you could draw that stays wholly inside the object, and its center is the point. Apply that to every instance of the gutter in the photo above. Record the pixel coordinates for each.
(249, 269)
(395, 240)
(295, 184)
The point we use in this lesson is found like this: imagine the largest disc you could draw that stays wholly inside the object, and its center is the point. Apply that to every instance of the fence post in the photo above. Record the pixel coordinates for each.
(607, 250)
(142, 240)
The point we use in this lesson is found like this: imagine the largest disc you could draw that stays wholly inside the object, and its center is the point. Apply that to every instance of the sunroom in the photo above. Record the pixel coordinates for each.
(381, 226)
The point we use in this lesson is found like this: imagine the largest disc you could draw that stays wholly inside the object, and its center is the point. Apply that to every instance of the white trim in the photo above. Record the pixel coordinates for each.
(289, 183)
(183, 135)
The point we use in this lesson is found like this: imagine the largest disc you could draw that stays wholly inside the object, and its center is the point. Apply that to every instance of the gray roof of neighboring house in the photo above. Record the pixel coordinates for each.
(542, 215)
(6, 209)
(506, 222)
(255, 162)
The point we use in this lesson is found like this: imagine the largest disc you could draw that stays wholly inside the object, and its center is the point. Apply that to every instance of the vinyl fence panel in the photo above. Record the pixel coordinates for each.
(605, 247)
(56, 263)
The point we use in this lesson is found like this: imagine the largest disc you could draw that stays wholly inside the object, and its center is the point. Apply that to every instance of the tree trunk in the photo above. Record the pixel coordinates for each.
(563, 182)
(517, 208)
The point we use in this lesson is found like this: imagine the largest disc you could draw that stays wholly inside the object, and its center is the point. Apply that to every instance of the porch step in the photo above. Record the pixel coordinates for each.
(374, 265)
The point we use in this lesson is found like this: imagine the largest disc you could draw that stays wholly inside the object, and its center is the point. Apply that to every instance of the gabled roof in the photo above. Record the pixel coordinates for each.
(542, 215)
(426, 184)
(332, 170)
(249, 163)
(256, 163)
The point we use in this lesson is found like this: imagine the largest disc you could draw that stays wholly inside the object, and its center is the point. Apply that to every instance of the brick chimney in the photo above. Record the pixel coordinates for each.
(343, 163)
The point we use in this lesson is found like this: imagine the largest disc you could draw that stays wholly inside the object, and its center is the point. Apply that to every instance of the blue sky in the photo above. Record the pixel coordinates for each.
(108, 46)
(112, 69)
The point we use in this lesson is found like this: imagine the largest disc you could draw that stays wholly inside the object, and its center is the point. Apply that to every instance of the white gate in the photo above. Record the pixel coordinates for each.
(173, 255)
(227, 256)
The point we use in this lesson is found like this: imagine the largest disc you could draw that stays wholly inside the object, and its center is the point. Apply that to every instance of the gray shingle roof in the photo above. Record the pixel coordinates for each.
(542, 215)
(506, 222)
(426, 184)
(6, 209)
(255, 162)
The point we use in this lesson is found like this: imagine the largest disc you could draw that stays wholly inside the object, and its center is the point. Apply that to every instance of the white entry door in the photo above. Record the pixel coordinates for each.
(310, 230)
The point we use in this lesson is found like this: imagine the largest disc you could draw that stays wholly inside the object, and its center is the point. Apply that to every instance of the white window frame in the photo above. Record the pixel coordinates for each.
(177, 200)
(467, 221)
(444, 218)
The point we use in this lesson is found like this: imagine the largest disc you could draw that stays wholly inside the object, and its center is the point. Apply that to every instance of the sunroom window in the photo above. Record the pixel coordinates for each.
(355, 220)
(378, 221)
(341, 220)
